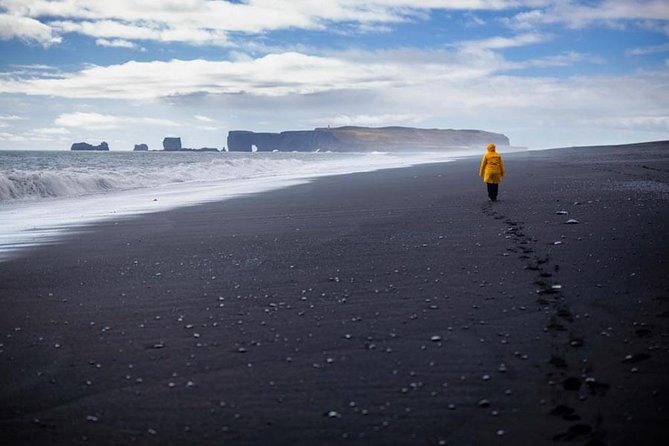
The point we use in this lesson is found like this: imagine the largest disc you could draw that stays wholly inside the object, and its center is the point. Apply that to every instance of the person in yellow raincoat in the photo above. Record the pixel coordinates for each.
(492, 171)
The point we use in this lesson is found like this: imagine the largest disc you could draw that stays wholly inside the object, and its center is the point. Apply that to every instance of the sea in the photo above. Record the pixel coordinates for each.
(45, 195)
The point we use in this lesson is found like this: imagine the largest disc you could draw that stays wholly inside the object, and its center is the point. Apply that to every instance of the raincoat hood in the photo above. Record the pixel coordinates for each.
(491, 147)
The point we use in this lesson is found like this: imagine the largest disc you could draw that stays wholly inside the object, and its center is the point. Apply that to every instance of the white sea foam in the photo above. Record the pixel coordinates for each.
(46, 194)
(40, 183)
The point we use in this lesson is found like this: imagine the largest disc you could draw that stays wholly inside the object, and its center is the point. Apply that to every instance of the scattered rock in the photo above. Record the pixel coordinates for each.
(636, 357)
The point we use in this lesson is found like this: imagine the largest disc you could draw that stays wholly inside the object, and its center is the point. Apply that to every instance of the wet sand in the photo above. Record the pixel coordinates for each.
(392, 307)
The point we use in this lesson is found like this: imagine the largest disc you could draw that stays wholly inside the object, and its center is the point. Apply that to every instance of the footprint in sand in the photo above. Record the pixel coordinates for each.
(572, 383)
(574, 432)
(565, 412)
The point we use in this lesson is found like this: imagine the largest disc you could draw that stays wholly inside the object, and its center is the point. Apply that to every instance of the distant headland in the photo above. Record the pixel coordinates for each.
(336, 139)
(362, 139)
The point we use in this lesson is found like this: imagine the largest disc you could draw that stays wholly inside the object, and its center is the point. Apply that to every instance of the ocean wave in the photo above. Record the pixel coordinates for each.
(49, 175)
(22, 184)
(25, 184)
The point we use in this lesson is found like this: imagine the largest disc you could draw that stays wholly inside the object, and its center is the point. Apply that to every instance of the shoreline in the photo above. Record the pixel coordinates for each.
(394, 306)
(61, 215)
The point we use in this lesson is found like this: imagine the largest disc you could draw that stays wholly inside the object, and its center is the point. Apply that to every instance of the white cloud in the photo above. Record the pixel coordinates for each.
(27, 29)
(116, 43)
(4, 118)
(559, 60)
(97, 121)
(211, 22)
(49, 131)
(204, 21)
(497, 43)
(286, 74)
(272, 75)
(11, 137)
(368, 120)
(575, 14)
(653, 123)
(642, 51)
(203, 118)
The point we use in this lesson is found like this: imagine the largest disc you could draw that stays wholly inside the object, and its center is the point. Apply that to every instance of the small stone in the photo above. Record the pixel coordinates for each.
(484, 403)
(91, 418)
(572, 221)
(435, 338)
(500, 432)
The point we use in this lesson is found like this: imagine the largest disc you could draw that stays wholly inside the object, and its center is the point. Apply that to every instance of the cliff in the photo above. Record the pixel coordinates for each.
(361, 139)
(172, 144)
(85, 146)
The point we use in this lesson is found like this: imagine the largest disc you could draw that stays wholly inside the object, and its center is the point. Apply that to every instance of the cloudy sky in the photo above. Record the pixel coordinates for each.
(546, 73)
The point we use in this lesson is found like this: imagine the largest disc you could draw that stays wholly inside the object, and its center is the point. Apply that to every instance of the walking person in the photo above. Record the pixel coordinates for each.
(492, 171)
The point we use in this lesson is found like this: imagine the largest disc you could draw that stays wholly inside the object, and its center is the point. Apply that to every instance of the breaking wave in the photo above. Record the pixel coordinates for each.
(60, 181)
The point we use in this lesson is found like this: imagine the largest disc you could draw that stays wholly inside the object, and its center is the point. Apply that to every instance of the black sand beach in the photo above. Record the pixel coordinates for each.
(392, 307)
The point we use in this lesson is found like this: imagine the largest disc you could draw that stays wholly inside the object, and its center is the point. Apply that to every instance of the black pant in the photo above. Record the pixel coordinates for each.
(492, 191)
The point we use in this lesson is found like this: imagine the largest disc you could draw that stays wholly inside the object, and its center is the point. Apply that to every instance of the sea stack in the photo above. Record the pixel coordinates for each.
(172, 144)
(140, 148)
(104, 147)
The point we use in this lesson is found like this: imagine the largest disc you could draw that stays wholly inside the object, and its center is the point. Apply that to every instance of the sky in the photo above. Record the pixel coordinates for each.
(546, 73)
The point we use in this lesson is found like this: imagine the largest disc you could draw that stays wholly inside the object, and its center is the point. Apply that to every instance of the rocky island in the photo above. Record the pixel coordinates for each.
(141, 148)
(173, 144)
(104, 147)
(362, 139)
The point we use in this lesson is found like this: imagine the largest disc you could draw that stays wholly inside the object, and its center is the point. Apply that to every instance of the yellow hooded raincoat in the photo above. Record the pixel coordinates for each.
(492, 167)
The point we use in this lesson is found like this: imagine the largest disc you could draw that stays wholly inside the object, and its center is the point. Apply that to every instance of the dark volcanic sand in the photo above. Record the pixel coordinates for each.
(394, 307)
